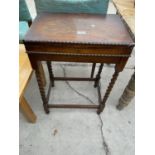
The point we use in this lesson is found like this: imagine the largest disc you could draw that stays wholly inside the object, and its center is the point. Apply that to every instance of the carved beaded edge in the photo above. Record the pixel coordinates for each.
(73, 54)
(77, 43)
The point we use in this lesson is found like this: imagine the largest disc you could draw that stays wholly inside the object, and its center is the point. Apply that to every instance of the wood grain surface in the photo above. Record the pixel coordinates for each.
(25, 69)
(126, 9)
(79, 28)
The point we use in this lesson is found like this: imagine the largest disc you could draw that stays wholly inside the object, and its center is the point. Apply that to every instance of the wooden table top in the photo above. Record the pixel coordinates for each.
(79, 28)
(25, 69)
(127, 10)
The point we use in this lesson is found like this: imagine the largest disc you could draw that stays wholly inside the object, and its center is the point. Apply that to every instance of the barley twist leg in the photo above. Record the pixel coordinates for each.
(41, 89)
(111, 84)
(49, 66)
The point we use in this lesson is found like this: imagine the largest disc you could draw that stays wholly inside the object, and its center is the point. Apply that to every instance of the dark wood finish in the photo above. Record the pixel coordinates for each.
(79, 38)
(49, 91)
(40, 65)
(41, 88)
(111, 84)
(51, 75)
(99, 94)
(78, 28)
(73, 106)
(93, 70)
(73, 79)
(98, 76)
(42, 56)
(42, 74)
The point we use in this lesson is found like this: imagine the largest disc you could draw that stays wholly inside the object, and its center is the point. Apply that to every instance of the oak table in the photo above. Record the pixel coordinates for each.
(25, 71)
(78, 38)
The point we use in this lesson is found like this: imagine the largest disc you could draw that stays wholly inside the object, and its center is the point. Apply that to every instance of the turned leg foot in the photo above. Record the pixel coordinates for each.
(98, 111)
(46, 109)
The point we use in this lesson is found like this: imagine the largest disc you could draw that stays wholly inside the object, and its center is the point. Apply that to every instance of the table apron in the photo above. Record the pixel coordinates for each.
(80, 49)
(73, 58)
